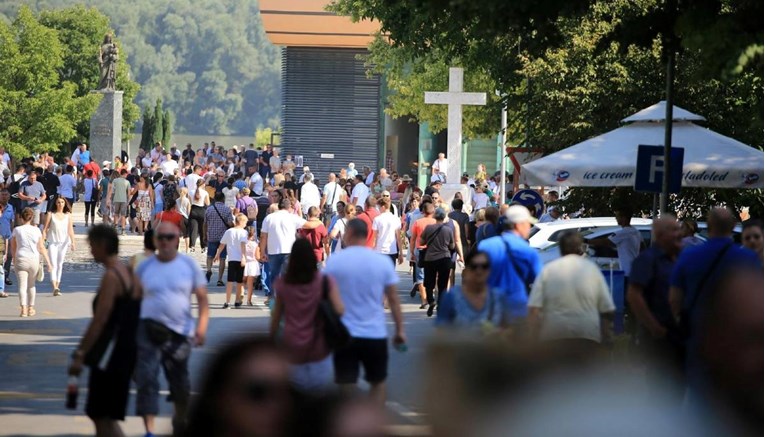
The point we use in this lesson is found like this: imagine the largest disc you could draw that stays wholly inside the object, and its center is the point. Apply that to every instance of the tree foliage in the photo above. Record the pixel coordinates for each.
(157, 126)
(39, 110)
(208, 60)
(569, 70)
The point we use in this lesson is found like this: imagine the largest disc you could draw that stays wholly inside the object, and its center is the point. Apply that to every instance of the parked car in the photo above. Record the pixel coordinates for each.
(546, 234)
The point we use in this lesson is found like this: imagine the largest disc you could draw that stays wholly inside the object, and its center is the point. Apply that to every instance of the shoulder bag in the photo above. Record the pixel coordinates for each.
(336, 334)
(423, 251)
(228, 225)
(515, 267)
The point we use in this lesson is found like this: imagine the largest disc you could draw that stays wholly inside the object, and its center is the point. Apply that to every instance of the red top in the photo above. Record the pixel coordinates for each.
(303, 337)
(92, 166)
(171, 216)
(368, 217)
(316, 237)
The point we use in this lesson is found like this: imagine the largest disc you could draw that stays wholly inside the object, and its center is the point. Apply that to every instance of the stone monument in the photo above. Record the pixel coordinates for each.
(454, 99)
(106, 122)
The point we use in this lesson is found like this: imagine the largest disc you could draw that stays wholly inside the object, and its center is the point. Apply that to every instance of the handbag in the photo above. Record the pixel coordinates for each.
(40, 272)
(423, 251)
(336, 334)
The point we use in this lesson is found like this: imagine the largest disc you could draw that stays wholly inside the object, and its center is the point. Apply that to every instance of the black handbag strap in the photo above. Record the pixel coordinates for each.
(433, 237)
(221, 216)
(515, 266)
(707, 275)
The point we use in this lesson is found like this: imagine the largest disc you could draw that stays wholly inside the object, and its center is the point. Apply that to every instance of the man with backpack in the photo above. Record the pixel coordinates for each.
(246, 205)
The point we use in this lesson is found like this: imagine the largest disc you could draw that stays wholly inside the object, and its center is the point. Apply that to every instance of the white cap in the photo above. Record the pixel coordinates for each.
(106, 163)
(519, 214)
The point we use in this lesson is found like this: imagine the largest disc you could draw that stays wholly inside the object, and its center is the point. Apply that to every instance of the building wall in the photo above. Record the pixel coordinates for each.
(330, 108)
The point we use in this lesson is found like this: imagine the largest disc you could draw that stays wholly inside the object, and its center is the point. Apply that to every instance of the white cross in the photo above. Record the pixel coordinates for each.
(455, 98)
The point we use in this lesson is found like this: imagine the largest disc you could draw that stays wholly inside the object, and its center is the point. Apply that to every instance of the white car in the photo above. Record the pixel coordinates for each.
(547, 234)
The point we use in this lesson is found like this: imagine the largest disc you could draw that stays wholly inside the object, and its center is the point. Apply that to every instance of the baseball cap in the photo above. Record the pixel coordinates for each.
(519, 214)
(106, 163)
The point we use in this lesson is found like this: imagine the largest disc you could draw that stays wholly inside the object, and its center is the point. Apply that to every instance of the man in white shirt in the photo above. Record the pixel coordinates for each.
(440, 166)
(190, 181)
(570, 302)
(5, 158)
(360, 191)
(306, 170)
(76, 156)
(552, 215)
(332, 194)
(256, 184)
(169, 165)
(275, 162)
(156, 154)
(385, 179)
(369, 176)
(362, 290)
(309, 194)
(277, 236)
(386, 232)
(626, 240)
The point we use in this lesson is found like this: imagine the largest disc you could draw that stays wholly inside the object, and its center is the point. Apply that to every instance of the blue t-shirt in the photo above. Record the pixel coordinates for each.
(240, 184)
(512, 276)
(85, 157)
(455, 310)
(651, 270)
(5, 222)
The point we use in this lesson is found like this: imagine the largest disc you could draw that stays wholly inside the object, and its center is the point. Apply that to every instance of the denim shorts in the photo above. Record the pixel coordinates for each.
(212, 249)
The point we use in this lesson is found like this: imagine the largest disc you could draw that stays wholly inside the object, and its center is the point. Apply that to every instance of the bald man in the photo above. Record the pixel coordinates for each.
(648, 297)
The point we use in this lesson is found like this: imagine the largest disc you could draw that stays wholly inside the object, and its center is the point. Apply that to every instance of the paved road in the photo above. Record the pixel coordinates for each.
(34, 352)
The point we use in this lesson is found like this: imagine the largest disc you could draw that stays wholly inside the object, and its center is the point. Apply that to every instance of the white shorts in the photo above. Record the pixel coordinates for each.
(252, 268)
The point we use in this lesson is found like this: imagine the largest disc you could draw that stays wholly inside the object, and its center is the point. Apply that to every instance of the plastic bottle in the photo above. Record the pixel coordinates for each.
(72, 390)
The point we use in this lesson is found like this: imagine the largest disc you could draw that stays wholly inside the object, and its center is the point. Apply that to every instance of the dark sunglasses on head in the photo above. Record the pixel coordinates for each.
(166, 237)
(479, 266)
(259, 391)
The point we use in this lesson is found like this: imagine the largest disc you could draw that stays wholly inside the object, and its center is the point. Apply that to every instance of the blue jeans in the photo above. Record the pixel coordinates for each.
(264, 282)
(173, 355)
(277, 264)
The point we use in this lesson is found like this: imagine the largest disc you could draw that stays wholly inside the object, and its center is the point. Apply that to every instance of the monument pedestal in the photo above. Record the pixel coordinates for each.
(106, 127)
(448, 191)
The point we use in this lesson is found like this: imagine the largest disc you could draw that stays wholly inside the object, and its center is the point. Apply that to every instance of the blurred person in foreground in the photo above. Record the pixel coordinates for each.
(570, 303)
(474, 304)
(658, 336)
(301, 290)
(731, 352)
(108, 346)
(514, 265)
(245, 392)
(697, 269)
(364, 277)
(166, 331)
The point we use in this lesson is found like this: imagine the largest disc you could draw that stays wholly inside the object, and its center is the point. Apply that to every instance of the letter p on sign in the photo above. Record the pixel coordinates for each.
(657, 166)
(650, 169)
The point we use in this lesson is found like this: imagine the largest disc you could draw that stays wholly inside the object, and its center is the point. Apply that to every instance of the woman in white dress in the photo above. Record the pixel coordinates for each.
(26, 248)
(59, 232)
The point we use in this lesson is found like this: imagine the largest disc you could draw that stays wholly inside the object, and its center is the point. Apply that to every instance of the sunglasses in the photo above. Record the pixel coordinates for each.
(386, 195)
(479, 266)
(166, 237)
(259, 391)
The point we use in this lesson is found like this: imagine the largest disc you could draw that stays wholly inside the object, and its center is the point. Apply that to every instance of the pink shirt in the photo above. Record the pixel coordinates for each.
(303, 337)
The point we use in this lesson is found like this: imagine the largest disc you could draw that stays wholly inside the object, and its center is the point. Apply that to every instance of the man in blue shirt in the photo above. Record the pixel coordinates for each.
(697, 270)
(514, 264)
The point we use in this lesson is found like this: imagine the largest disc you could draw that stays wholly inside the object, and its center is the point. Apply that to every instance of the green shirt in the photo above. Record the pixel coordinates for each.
(119, 190)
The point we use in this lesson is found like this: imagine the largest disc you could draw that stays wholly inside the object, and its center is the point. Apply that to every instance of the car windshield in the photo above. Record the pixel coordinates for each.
(534, 230)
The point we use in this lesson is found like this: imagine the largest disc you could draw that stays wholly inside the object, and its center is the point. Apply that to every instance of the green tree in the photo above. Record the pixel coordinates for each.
(38, 110)
(157, 124)
(147, 129)
(167, 128)
(81, 30)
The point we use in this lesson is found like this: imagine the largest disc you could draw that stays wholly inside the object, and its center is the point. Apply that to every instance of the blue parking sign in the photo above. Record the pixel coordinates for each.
(649, 172)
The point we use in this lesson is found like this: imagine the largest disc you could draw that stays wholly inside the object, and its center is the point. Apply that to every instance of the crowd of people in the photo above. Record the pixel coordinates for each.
(325, 257)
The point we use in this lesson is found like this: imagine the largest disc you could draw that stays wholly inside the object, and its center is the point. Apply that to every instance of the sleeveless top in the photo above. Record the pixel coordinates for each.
(116, 343)
(58, 230)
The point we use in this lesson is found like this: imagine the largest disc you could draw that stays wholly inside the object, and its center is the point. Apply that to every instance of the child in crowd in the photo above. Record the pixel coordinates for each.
(252, 268)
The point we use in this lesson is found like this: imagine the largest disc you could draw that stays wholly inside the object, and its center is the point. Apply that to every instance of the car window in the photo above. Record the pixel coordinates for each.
(555, 236)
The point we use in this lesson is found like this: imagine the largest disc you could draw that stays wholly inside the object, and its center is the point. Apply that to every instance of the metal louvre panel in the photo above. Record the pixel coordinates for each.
(329, 106)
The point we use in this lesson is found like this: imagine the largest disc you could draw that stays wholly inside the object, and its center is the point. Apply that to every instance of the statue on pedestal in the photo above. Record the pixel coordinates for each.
(108, 54)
